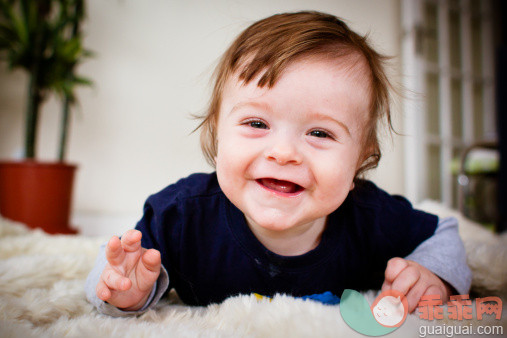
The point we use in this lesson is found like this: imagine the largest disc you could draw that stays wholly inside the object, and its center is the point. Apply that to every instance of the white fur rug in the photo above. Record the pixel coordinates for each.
(42, 295)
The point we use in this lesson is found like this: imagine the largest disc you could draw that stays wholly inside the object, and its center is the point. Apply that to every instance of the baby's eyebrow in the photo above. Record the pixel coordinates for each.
(261, 105)
(325, 117)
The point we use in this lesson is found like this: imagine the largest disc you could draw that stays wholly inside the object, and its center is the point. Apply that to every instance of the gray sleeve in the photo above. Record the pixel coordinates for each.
(158, 290)
(445, 256)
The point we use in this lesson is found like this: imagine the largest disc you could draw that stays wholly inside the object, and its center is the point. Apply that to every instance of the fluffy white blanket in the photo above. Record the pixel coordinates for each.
(42, 279)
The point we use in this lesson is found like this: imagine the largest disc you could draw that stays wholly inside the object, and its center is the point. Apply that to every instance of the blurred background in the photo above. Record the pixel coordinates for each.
(131, 133)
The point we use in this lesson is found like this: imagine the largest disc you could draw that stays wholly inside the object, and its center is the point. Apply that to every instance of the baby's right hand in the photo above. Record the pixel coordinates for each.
(130, 273)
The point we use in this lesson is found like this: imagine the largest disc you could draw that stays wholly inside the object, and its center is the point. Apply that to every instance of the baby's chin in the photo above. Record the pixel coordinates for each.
(277, 225)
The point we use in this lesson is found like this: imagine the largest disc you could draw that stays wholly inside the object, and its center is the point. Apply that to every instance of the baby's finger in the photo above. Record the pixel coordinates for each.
(421, 289)
(151, 260)
(406, 279)
(131, 240)
(415, 294)
(115, 281)
(149, 270)
(386, 286)
(394, 267)
(114, 252)
(102, 291)
(434, 290)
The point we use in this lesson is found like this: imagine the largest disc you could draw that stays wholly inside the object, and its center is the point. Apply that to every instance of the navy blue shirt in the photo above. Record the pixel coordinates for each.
(210, 253)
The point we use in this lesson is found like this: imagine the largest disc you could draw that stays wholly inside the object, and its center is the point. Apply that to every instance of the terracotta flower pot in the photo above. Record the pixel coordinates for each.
(38, 194)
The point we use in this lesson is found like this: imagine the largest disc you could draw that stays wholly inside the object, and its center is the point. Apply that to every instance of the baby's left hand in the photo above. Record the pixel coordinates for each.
(413, 280)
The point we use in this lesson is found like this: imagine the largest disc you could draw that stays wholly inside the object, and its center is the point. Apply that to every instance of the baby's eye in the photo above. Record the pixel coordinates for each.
(320, 134)
(256, 124)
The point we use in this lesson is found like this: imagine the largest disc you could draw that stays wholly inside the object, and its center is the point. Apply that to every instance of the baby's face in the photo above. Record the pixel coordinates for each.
(287, 156)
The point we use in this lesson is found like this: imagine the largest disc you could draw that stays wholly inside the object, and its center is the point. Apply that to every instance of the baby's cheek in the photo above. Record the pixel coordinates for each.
(331, 194)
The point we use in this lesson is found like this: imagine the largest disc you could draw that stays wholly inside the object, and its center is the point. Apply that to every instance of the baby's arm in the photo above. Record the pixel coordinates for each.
(125, 275)
(435, 267)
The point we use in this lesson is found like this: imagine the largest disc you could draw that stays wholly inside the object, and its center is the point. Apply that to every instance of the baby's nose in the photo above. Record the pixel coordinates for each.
(284, 152)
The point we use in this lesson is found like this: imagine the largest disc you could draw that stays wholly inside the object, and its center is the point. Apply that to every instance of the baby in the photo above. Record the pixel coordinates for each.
(291, 126)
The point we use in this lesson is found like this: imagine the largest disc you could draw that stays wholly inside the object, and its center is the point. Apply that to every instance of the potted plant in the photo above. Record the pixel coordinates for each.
(42, 37)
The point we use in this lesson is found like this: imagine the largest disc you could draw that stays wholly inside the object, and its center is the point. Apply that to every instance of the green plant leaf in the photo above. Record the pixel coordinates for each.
(83, 81)
(43, 37)
(8, 38)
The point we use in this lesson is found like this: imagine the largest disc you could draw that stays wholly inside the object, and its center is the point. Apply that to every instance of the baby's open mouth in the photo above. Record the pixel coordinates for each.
(280, 185)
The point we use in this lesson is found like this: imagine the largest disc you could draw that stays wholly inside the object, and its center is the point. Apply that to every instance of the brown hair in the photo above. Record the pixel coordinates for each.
(269, 45)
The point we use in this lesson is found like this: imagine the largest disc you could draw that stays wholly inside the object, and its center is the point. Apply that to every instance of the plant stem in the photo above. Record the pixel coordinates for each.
(32, 116)
(34, 90)
(64, 128)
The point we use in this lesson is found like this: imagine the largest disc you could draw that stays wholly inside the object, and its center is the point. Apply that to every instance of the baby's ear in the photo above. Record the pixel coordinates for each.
(352, 185)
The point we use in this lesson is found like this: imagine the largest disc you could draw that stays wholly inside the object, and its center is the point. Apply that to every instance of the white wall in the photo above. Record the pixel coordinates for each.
(131, 135)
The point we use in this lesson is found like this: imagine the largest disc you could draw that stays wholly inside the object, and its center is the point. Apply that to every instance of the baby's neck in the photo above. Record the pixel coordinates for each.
(291, 242)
